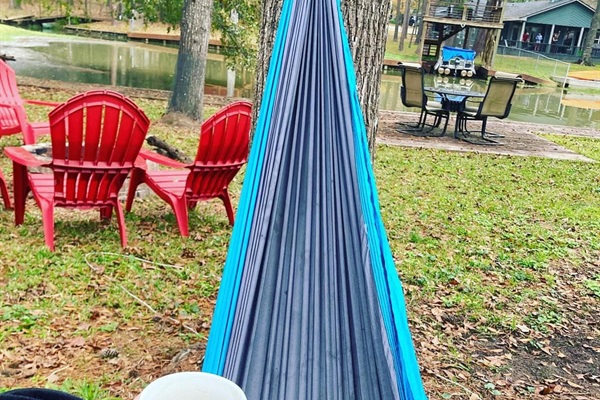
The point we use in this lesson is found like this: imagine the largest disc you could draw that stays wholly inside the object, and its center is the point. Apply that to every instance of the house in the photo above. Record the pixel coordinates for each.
(561, 24)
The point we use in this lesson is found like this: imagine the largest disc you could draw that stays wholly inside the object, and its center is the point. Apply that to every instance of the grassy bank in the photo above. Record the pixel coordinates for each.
(498, 256)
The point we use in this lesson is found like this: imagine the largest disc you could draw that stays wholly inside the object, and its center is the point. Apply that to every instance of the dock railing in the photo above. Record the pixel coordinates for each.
(456, 9)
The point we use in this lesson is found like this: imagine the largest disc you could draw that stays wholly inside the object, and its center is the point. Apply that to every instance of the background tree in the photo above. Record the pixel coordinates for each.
(187, 96)
(397, 19)
(586, 58)
(404, 25)
(423, 5)
(366, 22)
(195, 18)
(238, 39)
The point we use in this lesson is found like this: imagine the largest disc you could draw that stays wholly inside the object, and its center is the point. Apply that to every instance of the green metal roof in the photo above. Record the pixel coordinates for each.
(574, 15)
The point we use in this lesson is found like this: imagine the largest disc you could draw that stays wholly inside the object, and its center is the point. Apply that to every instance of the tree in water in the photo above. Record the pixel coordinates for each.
(366, 22)
(586, 58)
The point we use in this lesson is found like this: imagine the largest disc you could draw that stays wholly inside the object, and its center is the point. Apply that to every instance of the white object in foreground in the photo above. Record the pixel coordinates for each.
(192, 386)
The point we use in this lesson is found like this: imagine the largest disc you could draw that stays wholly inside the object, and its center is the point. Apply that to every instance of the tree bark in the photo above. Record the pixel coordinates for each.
(188, 91)
(586, 58)
(366, 22)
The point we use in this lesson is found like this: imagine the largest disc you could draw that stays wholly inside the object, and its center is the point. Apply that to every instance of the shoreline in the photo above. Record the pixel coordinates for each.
(521, 138)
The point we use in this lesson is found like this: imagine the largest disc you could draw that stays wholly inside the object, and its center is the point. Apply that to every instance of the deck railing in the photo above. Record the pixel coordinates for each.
(458, 10)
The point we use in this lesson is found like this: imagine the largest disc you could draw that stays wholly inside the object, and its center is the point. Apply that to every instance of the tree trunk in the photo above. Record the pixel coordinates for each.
(420, 26)
(586, 58)
(188, 91)
(487, 56)
(417, 25)
(397, 20)
(15, 5)
(366, 22)
(491, 41)
(269, 20)
(404, 25)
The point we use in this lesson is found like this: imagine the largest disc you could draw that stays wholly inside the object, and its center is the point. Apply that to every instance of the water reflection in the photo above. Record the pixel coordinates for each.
(545, 105)
(113, 63)
(147, 66)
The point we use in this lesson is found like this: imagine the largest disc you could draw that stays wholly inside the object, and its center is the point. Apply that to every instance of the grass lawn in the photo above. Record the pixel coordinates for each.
(498, 256)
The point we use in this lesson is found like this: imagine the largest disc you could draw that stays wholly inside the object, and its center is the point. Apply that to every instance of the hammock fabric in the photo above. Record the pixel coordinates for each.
(310, 304)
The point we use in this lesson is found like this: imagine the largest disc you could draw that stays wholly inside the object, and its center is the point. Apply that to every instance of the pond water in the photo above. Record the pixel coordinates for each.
(75, 59)
(72, 59)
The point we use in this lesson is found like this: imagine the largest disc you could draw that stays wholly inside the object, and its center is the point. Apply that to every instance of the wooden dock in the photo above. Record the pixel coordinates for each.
(153, 37)
(528, 79)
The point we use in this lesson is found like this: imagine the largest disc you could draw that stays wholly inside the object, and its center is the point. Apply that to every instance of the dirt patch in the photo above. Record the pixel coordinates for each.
(520, 139)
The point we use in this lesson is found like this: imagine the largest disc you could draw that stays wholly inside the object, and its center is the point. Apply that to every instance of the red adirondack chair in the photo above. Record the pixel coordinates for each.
(96, 137)
(222, 151)
(13, 118)
(4, 191)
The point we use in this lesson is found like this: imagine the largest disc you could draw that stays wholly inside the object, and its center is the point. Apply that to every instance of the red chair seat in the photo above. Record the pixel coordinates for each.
(173, 181)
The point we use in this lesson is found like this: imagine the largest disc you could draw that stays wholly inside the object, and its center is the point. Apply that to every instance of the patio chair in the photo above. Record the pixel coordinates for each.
(96, 137)
(413, 95)
(496, 103)
(13, 117)
(222, 151)
(4, 191)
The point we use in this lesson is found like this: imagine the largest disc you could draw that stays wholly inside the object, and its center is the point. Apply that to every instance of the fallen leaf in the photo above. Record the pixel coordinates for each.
(77, 342)
(53, 378)
(574, 385)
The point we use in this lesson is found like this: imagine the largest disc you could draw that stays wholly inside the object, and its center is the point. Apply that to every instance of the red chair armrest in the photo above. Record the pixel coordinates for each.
(140, 163)
(23, 157)
(160, 159)
(43, 103)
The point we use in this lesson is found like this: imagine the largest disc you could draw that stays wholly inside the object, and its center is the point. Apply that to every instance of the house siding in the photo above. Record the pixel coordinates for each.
(574, 15)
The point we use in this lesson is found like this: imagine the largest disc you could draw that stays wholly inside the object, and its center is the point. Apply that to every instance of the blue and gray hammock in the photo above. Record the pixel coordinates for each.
(310, 304)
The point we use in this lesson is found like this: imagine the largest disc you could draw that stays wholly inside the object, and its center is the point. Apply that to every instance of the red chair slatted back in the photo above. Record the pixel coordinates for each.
(222, 151)
(96, 137)
(8, 85)
(9, 96)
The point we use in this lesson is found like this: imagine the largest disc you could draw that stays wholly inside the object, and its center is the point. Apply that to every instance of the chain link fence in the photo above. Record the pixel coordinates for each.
(520, 61)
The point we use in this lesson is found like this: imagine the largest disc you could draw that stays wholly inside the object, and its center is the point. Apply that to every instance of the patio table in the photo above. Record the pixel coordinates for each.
(454, 100)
